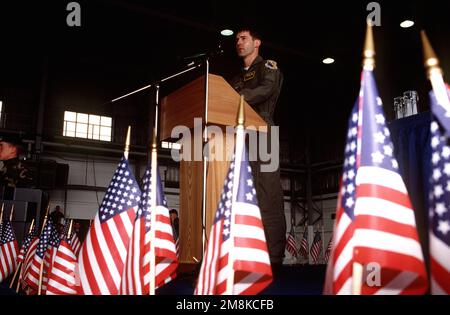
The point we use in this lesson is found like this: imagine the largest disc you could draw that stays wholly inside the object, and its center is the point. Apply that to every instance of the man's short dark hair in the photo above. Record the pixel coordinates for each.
(173, 211)
(254, 34)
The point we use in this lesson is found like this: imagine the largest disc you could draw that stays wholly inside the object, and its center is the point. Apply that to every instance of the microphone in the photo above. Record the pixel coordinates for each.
(215, 52)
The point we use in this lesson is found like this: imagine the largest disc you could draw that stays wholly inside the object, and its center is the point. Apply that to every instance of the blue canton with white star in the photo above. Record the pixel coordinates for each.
(246, 190)
(7, 233)
(349, 171)
(376, 140)
(122, 194)
(439, 196)
(146, 202)
(47, 236)
(246, 193)
(29, 238)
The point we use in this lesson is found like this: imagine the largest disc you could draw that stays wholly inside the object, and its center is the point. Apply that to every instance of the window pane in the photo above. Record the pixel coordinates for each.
(106, 121)
(82, 129)
(82, 118)
(105, 131)
(96, 130)
(1, 106)
(105, 138)
(70, 116)
(70, 134)
(94, 119)
(70, 126)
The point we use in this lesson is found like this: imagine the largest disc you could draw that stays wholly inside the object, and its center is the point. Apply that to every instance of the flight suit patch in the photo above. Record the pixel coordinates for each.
(271, 64)
(249, 75)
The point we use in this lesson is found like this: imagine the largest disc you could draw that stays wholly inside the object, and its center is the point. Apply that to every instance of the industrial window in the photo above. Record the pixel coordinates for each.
(1, 111)
(80, 125)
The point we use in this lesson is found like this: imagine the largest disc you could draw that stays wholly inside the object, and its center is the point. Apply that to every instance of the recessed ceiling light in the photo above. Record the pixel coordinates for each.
(406, 24)
(226, 32)
(328, 61)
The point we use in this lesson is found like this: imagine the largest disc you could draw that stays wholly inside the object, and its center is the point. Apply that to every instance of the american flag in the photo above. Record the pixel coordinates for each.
(327, 254)
(75, 243)
(291, 244)
(316, 247)
(28, 262)
(177, 246)
(103, 253)
(9, 249)
(250, 259)
(74, 240)
(439, 198)
(304, 244)
(45, 253)
(26, 244)
(62, 276)
(136, 274)
(375, 220)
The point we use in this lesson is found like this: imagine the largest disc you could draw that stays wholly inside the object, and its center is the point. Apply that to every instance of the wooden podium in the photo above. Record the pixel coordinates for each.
(179, 109)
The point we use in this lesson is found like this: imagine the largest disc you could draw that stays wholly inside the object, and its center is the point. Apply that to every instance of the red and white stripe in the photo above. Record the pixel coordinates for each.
(439, 266)
(252, 267)
(136, 275)
(62, 277)
(34, 270)
(316, 249)
(75, 243)
(8, 259)
(103, 254)
(28, 261)
(386, 232)
(341, 262)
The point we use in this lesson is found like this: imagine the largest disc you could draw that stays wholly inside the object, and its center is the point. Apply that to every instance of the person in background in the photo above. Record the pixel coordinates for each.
(13, 172)
(175, 222)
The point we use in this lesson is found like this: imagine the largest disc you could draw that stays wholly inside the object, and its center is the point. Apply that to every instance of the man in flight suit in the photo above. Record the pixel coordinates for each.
(260, 82)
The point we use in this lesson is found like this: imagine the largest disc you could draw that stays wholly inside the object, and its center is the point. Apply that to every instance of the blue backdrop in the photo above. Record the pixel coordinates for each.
(411, 137)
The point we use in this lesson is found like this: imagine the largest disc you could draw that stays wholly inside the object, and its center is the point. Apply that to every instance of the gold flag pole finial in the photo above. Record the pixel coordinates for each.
(241, 112)
(369, 49)
(31, 226)
(127, 143)
(45, 217)
(431, 60)
(12, 213)
(70, 228)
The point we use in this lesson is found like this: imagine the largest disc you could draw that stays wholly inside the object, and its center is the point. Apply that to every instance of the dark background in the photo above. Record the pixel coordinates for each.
(123, 45)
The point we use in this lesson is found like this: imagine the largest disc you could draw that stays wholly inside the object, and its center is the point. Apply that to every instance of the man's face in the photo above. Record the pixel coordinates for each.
(7, 151)
(245, 44)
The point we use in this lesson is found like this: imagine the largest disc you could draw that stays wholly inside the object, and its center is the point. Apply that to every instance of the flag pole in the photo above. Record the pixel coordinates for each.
(11, 213)
(369, 65)
(127, 143)
(41, 270)
(237, 171)
(19, 267)
(153, 187)
(434, 72)
(1, 213)
(70, 229)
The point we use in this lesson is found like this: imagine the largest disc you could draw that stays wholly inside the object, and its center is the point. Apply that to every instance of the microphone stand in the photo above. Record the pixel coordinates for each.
(157, 82)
